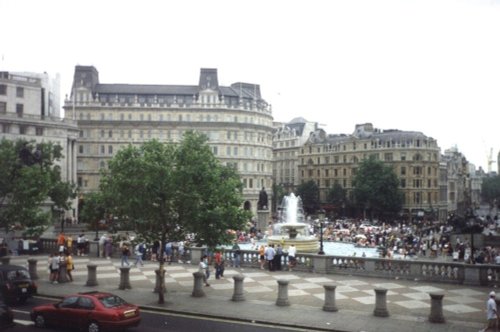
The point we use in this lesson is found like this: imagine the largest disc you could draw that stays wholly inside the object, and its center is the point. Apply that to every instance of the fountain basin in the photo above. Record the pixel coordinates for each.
(303, 244)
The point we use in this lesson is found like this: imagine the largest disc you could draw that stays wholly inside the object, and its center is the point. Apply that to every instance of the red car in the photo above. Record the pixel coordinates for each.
(89, 311)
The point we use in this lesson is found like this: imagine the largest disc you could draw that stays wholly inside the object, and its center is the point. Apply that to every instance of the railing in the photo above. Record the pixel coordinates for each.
(418, 270)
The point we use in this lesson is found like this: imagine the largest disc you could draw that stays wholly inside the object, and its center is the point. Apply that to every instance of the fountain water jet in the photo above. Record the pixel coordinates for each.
(291, 228)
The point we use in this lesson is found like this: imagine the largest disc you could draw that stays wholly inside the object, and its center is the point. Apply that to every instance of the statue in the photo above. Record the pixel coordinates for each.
(262, 204)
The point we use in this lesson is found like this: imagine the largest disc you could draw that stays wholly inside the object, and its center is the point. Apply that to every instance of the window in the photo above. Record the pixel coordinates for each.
(3, 107)
(110, 149)
(19, 110)
(110, 134)
(80, 148)
(20, 92)
(39, 131)
(403, 170)
(103, 149)
(3, 89)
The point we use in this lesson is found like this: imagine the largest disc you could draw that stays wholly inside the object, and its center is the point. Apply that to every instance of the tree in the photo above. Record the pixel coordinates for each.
(278, 194)
(490, 190)
(29, 177)
(309, 193)
(376, 189)
(93, 210)
(166, 191)
(337, 196)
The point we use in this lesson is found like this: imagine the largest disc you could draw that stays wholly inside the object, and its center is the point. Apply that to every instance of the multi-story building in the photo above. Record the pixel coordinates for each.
(288, 139)
(235, 118)
(459, 197)
(29, 109)
(328, 159)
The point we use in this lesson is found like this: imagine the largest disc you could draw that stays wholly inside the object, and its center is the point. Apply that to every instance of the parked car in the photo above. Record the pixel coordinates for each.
(89, 311)
(6, 316)
(16, 285)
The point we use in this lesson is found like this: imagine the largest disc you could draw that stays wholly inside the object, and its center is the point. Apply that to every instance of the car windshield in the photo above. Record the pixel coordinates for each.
(111, 301)
(17, 274)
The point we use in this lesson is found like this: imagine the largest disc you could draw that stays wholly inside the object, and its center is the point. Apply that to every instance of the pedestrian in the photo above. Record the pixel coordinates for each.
(292, 261)
(61, 242)
(262, 251)
(108, 247)
(54, 268)
(69, 265)
(269, 254)
(168, 252)
(80, 245)
(204, 268)
(102, 242)
(218, 264)
(236, 255)
(277, 258)
(125, 254)
(69, 243)
(491, 313)
(138, 252)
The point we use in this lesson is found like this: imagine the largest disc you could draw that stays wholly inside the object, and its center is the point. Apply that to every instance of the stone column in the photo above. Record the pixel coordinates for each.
(158, 281)
(330, 298)
(436, 315)
(198, 285)
(5, 260)
(381, 303)
(32, 268)
(238, 294)
(282, 300)
(125, 278)
(63, 273)
(91, 275)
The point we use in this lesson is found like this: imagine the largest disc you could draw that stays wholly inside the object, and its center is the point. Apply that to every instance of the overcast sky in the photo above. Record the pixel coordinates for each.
(423, 65)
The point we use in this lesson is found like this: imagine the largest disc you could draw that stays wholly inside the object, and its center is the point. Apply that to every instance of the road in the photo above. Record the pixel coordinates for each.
(154, 322)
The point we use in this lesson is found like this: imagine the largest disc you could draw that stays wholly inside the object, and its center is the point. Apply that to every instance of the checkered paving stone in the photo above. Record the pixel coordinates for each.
(405, 297)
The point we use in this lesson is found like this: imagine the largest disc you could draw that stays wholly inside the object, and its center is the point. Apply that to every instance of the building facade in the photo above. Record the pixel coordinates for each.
(235, 118)
(288, 139)
(29, 109)
(328, 159)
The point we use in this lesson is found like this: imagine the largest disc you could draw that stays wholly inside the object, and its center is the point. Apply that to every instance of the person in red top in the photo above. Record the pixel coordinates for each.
(219, 265)
(61, 242)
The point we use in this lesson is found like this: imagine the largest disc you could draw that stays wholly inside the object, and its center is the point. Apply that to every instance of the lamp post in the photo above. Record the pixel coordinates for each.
(321, 217)
(62, 219)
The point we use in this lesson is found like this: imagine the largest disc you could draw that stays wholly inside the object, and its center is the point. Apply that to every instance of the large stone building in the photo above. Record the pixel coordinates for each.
(30, 110)
(288, 139)
(235, 118)
(328, 159)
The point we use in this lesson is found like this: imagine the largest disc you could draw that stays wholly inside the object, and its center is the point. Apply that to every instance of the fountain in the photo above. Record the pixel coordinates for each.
(291, 228)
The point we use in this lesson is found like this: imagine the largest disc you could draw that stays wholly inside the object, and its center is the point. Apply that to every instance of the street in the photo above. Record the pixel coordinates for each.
(153, 322)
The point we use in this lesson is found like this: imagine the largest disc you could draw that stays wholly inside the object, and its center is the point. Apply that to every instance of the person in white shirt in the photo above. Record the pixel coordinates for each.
(491, 313)
(292, 261)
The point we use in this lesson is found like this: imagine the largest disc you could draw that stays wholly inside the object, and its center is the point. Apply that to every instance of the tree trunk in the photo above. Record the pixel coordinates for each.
(161, 296)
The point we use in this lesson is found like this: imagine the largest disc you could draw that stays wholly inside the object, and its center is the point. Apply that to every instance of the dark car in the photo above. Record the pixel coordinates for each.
(89, 311)
(6, 316)
(16, 285)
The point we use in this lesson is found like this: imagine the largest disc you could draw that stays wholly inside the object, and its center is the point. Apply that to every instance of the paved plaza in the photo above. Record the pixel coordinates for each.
(408, 302)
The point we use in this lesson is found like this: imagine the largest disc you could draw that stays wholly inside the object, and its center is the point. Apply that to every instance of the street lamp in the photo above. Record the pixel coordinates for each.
(62, 219)
(321, 217)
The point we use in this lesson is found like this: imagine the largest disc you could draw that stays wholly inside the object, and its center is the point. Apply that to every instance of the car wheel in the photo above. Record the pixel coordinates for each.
(93, 327)
(40, 320)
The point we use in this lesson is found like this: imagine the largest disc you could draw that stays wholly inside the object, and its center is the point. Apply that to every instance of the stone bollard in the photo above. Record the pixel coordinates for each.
(5, 260)
(63, 273)
(198, 285)
(125, 278)
(330, 298)
(282, 300)
(436, 315)
(238, 294)
(32, 268)
(91, 275)
(158, 282)
(381, 303)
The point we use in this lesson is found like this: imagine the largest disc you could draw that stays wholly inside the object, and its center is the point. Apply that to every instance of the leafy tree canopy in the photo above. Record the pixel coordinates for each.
(490, 190)
(29, 176)
(166, 191)
(376, 188)
(309, 193)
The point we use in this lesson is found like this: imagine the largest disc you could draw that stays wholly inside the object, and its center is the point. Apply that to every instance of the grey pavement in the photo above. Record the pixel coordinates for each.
(408, 302)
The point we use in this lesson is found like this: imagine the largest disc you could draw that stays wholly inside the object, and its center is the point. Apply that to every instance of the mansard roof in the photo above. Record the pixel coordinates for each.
(146, 89)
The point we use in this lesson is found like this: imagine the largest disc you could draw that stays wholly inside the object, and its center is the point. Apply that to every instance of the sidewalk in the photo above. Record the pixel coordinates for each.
(408, 302)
